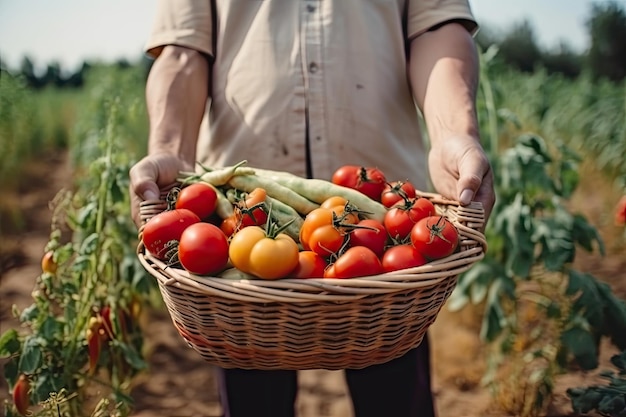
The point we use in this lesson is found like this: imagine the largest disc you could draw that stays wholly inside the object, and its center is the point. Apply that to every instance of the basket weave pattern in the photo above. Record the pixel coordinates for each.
(314, 323)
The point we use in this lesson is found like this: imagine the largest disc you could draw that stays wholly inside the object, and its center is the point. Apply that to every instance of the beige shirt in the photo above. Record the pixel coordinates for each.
(336, 69)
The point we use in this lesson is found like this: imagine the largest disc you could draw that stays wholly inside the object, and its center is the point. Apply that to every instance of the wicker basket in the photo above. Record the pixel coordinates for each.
(314, 323)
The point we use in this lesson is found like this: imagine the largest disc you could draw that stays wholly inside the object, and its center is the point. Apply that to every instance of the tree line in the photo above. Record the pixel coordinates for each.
(518, 49)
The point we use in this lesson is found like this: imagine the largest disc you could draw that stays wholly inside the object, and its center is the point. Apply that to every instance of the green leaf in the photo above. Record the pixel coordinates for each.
(29, 314)
(90, 244)
(9, 343)
(589, 301)
(585, 234)
(131, 355)
(50, 328)
(619, 361)
(582, 345)
(473, 285)
(31, 359)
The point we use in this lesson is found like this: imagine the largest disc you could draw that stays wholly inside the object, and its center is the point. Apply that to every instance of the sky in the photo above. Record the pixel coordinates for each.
(72, 31)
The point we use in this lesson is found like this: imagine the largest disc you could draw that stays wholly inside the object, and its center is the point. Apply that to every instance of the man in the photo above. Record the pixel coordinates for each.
(307, 86)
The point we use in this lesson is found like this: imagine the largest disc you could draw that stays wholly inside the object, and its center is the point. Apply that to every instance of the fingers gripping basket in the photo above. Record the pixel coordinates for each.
(314, 323)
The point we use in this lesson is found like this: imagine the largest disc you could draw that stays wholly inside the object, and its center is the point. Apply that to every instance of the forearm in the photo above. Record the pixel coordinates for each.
(443, 71)
(176, 94)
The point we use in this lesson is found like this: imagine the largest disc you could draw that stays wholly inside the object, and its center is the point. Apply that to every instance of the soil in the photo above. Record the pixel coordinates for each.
(179, 383)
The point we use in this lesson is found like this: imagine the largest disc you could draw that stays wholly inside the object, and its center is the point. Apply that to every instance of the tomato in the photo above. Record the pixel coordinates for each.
(400, 219)
(357, 261)
(369, 181)
(251, 211)
(162, 232)
(310, 265)
(21, 395)
(48, 264)
(402, 257)
(435, 237)
(370, 233)
(322, 232)
(257, 252)
(346, 176)
(203, 249)
(229, 225)
(326, 240)
(397, 192)
(199, 197)
(620, 212)
(334, 201)
(347, 212)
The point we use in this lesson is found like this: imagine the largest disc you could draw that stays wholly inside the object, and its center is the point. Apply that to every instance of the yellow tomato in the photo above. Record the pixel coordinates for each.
(253, 251)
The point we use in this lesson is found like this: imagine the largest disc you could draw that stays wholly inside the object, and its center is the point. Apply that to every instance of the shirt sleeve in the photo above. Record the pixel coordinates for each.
(186, 23)
(425, 14)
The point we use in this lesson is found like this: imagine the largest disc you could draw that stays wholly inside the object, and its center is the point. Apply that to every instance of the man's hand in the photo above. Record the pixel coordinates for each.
(460, 170)
(149, 176)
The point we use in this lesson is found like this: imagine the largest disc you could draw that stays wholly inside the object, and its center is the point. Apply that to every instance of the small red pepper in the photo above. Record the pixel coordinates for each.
(21, 396)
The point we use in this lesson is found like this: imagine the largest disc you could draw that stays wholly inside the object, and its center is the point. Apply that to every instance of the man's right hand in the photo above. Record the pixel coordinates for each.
(149, 176)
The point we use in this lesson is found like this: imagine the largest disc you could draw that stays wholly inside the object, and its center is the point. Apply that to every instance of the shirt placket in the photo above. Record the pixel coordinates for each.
(314, 71)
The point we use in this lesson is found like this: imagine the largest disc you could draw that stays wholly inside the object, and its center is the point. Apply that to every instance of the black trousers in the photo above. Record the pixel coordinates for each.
(399, 388)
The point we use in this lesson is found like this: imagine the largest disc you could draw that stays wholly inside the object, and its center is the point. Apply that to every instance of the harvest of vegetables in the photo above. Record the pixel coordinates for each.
(262, 269)
(272, 225)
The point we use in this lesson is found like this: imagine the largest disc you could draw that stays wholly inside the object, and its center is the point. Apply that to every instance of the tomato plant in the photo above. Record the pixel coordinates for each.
(369, 233)
(357, 261)
(397, 192)
(266, 254)
(199, 197)
(203, 249)
(435, 237)
(162, 232)
(402, 257)
(310, 265)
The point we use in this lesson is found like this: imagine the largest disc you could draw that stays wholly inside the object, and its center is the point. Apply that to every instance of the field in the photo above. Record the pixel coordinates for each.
(177, 381)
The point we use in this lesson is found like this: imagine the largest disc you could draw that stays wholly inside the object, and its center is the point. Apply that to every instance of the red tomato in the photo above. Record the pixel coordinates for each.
(372, 182)
(162, 231)
(203, 249)
(310, 265)
(357, 261)
(396, 192)
(200, 197)
(620, 212)
(402, 257)
(346, 176)
(435, 237)
(370, 233)
(400, 219)
(369, 181)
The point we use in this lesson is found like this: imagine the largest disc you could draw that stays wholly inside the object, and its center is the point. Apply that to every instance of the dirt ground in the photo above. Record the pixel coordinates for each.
(180, 383)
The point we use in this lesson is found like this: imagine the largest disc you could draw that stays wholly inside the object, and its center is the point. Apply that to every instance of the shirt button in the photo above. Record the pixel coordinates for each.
(310, 8)
(313, 67)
